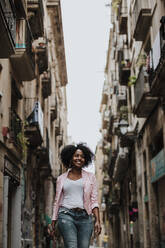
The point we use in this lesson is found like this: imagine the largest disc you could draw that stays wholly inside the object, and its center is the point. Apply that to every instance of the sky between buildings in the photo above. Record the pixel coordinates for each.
(86, 25)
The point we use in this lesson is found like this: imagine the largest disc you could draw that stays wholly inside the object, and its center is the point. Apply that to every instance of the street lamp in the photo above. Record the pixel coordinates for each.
(123, 125)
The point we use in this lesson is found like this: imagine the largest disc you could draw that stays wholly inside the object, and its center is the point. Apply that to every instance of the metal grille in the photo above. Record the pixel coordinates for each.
(10, 17)
(15, 126)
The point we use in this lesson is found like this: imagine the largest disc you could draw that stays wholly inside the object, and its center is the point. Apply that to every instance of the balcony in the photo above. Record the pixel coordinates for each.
(123, 17)
(36, 16)
(141, 19)
(8, 29)
(128, 139)
(105, 94)
(53, 108)
(121, 98)
(106, 119)
(42, 56)
(15, 134)
(58, 126)
(115, 127)
(114, 199)
(110, 124)
(124, 68)
(34, 130)
(60, 140)
(121, 164)
(15, 128)
(23, 59)
(106, 147)
(45, 158)
(105, 162)
(144, 102)
(46, 84)
(111, 160)
(44, 161)
(157, 62)
(20, 6)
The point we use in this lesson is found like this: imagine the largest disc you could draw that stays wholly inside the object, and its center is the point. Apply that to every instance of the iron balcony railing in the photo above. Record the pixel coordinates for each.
(42, 54)
(124, 68)
(15, 127)
(123, 16)
(25, 41)
(10, 17)
(36, 20)
(23, 61)
(20, 7)
(141, 17)
(111, 160)
(39, 3)
(46, 84)
(29, 41)
(41, 7)
(47, 139)
(144, 101)
(53, 107)
(156, 56)
(139, 87)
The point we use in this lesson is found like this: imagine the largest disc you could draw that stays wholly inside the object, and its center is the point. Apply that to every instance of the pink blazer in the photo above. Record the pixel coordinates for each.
(90, 192)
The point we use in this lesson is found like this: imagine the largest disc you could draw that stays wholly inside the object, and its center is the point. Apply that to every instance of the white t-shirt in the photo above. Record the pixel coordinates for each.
(73, 194)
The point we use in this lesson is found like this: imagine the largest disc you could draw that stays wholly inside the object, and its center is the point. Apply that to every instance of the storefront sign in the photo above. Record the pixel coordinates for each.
(158, 166)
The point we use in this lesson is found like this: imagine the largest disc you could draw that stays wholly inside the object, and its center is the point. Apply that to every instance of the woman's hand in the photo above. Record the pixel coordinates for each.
(97, 228)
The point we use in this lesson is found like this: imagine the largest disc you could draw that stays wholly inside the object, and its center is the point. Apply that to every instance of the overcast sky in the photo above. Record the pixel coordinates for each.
(86, 26)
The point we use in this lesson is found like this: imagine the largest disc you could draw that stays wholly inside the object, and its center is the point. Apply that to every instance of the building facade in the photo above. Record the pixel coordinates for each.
(33, 118)
(133, 124)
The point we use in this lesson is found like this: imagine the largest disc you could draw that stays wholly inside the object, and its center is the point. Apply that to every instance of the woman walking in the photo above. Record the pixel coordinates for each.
(76, 198)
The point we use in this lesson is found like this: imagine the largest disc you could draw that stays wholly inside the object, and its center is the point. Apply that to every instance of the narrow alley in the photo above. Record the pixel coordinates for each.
(130, 155)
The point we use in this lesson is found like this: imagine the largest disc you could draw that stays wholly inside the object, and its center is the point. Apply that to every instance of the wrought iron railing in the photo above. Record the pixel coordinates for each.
(15, 126)
(10, 16)
(47, 139)
(139, 5)
(139, 87)
(41, 7)
(29, 40)
(157, 55)
(40, 4)
(111, 160)
(124, 68)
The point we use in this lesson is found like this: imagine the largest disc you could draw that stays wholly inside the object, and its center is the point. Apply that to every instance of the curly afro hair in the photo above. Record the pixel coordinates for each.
(68, 151)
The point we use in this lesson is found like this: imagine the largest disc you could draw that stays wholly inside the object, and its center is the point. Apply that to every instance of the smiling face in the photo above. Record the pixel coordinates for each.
(78, 159)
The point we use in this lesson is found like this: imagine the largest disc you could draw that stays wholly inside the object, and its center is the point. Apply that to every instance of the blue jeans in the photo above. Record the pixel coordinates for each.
(75, 227)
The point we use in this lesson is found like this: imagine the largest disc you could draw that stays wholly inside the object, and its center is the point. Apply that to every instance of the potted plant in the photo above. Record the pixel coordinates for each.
(126, 63)
(115, 4)
(142, 60)
(132, 80)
